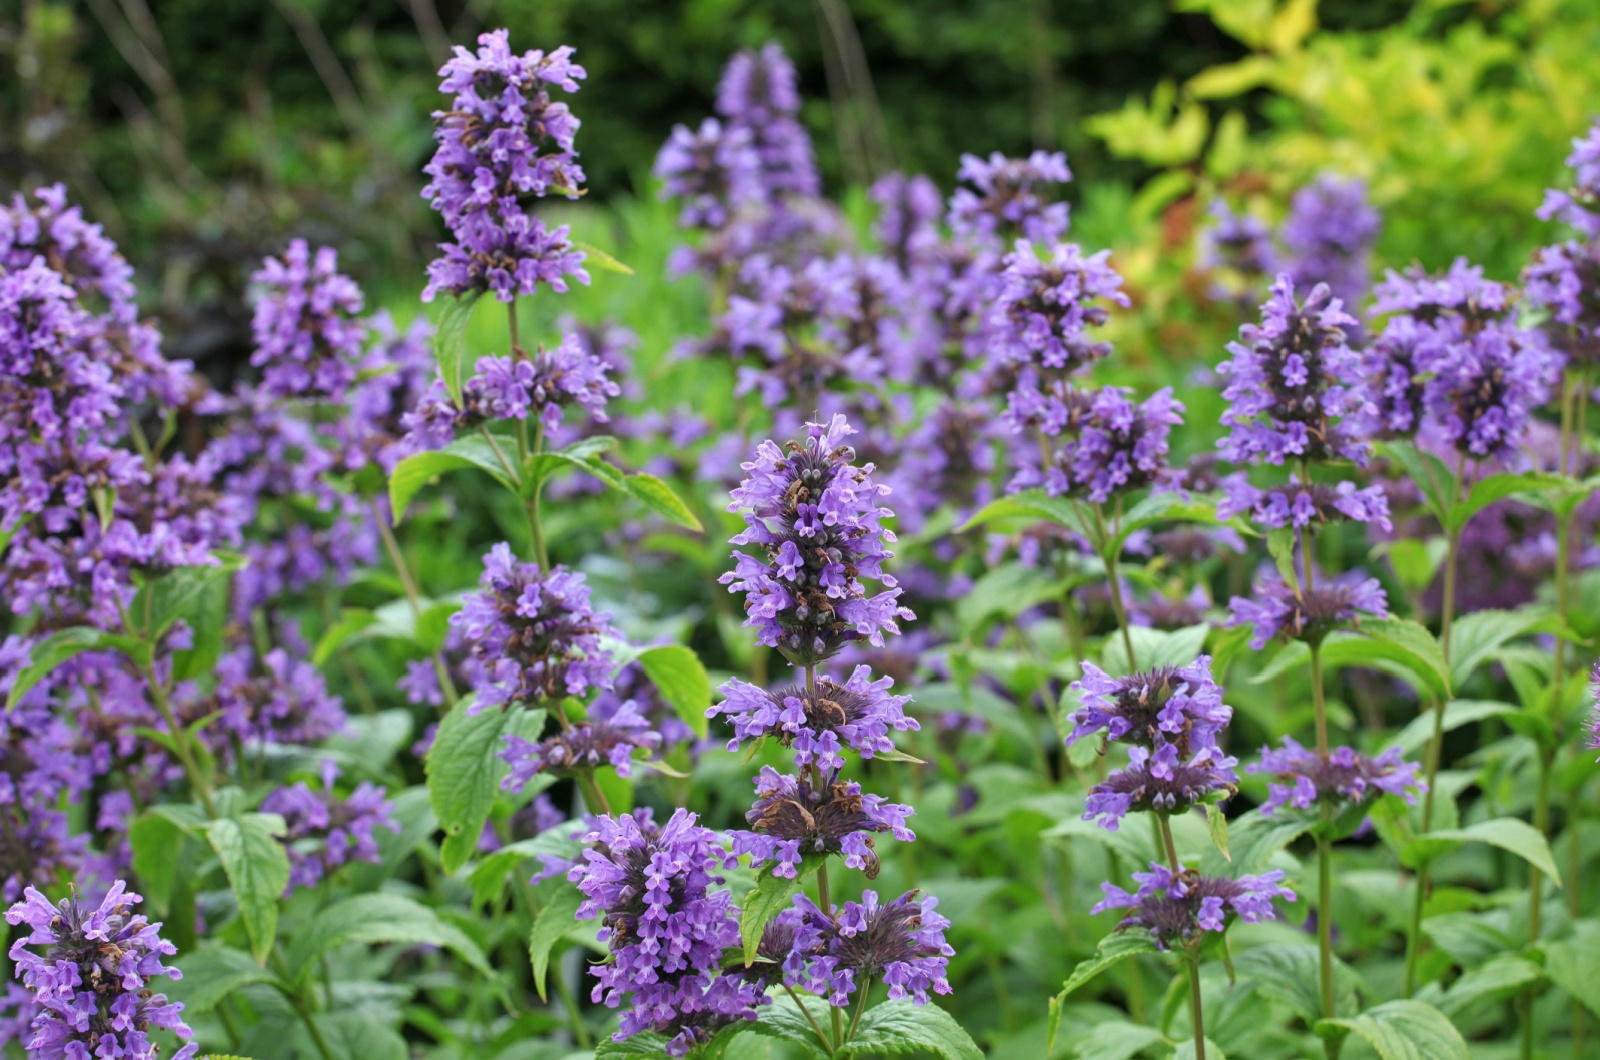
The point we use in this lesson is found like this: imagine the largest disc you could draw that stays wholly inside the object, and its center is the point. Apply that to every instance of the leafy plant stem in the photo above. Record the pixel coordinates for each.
(180, 737)
(535, 527)
(861, 1006)
(1541, 824)
(408, 585)
(1193, 971)
(1325, 922)
(824, 897)
(580, 1032)
(1109, 557)
(1318, 700)
(821, 1037)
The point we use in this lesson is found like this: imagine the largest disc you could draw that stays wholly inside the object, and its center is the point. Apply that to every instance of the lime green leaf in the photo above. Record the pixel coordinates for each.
(418, 469)
(1509, 834)
(1113, 949)
(681, 678)
(1217, 826)
(556, 918)
(351, 620)
(771, 895)
(659, 497)
(257, 867)
(1403, 1030)
(1486, 491)
(50, 653)
(1253, 838)
(448, 336)
(593, 255)
(1573, 964)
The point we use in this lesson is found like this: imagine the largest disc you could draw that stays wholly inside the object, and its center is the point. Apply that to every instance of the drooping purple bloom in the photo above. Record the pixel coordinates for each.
(308, 332)
(900, 944)
(665, 927)
(326, 830)
(532, 632)
(1162, 780)
(610, 741)
(1276, 609)
(502, 145)
(1294, 383)
(92, 983)
(1579, 206)
(1177, 908)
(815, 516)
(1114, 446)
(1329, 235)
(818, 726)
(1304, 778)
(792, 820)
(1004, 200)
(1180, 705)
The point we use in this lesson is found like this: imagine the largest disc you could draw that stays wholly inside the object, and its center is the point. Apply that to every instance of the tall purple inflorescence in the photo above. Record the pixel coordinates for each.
(815, 516)
(92, 983)
(308, 335)
(1329, 235)
(502, 145)
(532, 633)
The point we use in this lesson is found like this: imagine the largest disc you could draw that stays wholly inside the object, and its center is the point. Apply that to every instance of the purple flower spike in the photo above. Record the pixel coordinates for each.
(1177, 908)
(714, 171)
(91, 987)
(503, 144)
(819, 725)
(308, 337)
(1579, 206)
(900, 944)
(1119, 446)
(1329, 234)
(611, 741)
(1306, 778)
(1180, 705)
(665, 927)
(816, 517)
(1300, 504)
(1310, 615)
(1240, 243)
(326, 830)
(1045, 308)
(532, 633)
(1163, 781)
(1003, 201)
(1294, 383)
(760, 93)
(791, 819)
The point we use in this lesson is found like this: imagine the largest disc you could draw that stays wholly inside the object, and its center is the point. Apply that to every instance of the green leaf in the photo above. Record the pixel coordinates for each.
(489, 875)
(464, 771)
(1161, 508)
(681, 678)
(1469, 938)
(1006, 590)
(784, 1020)
(1113, 949)
(897, 1027)
(1394, 645)
(1477, 636)
(593, 255)
(1509, 834)
(212, 972)
(1217, 827)
(180, 594)
(1186, 1051)
(449, 334)
(379, 918)
(1573, 964)
(358, 1035)
(1486, 491)
(659, 497)
(1280, 546)
(1404, 1030)
(50, 653)
(208, 619)
(157, 841)
(556, 918)
(257, 867)
(1155, 647)
(1414, 562)
(351, 620)
(1291, 973)
(1501, 977)
(1419, 730)
(1115, 1040)
(1253, 838)
(1428, 472)
(1032, 505)
(771, 895)
(418, 469)
(644, 1044)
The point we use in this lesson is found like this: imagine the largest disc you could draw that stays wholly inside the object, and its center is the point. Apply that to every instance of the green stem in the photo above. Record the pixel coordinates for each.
(861, 1006)
(1318, 701)
(821, 1037)
(580, 1031)
(1109, 558)
(1195, 1009)
(1325, 923)
(824, 897)
(408, 585)
(535, 527)
(180, 740)
(1541, 822)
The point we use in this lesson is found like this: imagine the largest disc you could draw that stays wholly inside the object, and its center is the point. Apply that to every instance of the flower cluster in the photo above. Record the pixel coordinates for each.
(503, 144)
(899, 943)
(792, 820)
(1177, 907)
(1329, 235)
(664, 925)
(818, 723)
(1344, 775)
(1579, 206)
(308, 335)
(325, 830)
(532, 633)
(1003, 196)
(1114, 446)
(816, 517)
(91, 985)
(1278, 609)
(609, 741)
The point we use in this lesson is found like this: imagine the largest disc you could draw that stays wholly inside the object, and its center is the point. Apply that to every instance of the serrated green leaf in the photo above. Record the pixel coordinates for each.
(1419, 730)
(358, 1035)
(593, 255)
(418, 469)
(1404, 1030)
(157, 841)
(257, 867)
(351, 620)
(1486, 491)
(771, 895)
(898, 1027)
(51, 652)
(1115, 1040)
(1427, 472)
(1573, 964)
(1291, 973)
(682, 680)
(379, 918)
(211, 973)
(464, 770)
(1161, 508)
(556, 917)
(1509, 834)
(1186, 1051)
(1032, 505)
(1477, 636)
(784, 1021)
(1398, 646)
(449, 333)
(1113, 949)
(181, 593)
(1500, 978)
(1253, 838)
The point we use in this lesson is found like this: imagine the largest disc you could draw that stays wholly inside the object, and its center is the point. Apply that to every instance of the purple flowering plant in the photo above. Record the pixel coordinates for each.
(890, 621)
